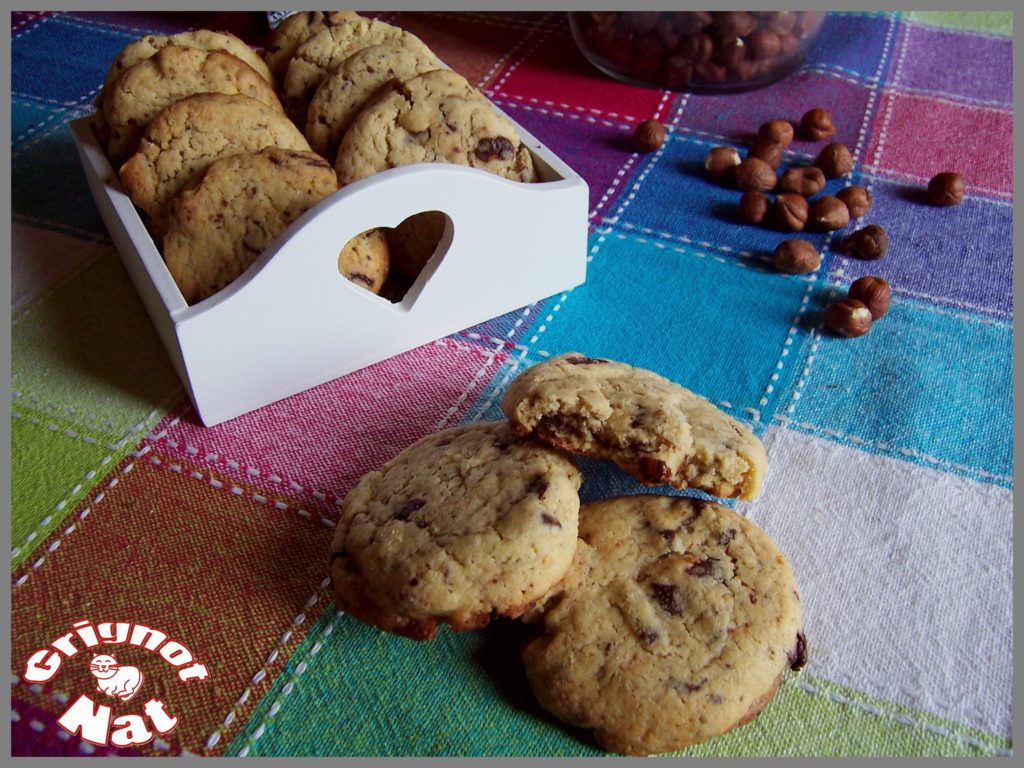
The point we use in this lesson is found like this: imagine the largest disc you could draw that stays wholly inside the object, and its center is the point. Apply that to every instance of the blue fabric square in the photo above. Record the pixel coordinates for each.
(959, 256)
(904, 390)
(852, 44)
(64, 202)
(56, 62)
(673, 310)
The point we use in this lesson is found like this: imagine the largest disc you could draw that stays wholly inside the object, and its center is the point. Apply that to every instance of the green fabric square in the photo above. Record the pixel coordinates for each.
(995, 22)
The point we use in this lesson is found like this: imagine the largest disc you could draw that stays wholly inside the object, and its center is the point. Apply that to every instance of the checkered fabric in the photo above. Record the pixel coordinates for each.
(889, 485)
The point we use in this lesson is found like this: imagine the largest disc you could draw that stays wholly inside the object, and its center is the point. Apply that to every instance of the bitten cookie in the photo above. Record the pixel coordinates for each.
(186, 137)
(342, 93)
(434, 117)
(653, 428)
(220, 222)
(295, 30)
(315, 58)
(169, 75)
(673, 625)
(462, 526)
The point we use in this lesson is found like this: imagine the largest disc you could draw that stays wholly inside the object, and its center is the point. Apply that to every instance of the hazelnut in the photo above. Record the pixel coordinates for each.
(828, 213)
(729, 23)
(755, 174)
(874, 293)
(767, 150)
(649, 136)
(834, 160)
(779, 131)
(721, 162)
(816, 124)
(731, 52)
(946, 189)
(802, 181)
(869, 243)
(856, 199)
(763, 44)
(796, 257)
(789, 211)
(753, 206)
(848, 317)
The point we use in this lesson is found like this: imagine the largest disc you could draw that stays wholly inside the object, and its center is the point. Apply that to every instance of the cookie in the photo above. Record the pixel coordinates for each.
(414, 241)
(223, 220)
(342, 93)
(365, 259)
(315, 58)
(463, 525)
(434, 117)
(673, 625)
(203, 39)
(295, 30)
(169, 75)
(186, 137)
(653, 428)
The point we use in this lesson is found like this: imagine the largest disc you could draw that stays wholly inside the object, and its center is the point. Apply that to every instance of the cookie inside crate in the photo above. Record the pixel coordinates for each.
(291, 321)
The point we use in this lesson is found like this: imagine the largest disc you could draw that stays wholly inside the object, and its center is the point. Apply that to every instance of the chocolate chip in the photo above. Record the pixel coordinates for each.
(655, 470)
(549, 520)
(753, 598)
(554, 424)
(685, 685)
(798, 657)
(581, 360)
(726, 537)
(716, 699)
(359, 277)
(705, 567)
(404, 511)
(669, 597)
(538, 486)
(649, 636)
(497, 147)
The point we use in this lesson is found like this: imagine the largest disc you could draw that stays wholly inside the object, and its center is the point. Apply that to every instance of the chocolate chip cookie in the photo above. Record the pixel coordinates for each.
(463, 525)
(673, 625)
(434, 117)
(169, 75)
(653, 428)
(316, 57)
(295, 30)
(188, 136)
(346, 89)
(223, 220)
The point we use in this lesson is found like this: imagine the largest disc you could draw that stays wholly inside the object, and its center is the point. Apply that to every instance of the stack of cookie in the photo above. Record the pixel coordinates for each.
(658, 621)
(222, 148)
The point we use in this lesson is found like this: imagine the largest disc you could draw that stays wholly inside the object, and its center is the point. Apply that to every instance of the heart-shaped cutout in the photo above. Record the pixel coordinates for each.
(388, 260)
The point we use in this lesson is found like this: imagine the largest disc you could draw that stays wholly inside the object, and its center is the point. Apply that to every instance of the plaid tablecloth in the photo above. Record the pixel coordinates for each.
(889, 486)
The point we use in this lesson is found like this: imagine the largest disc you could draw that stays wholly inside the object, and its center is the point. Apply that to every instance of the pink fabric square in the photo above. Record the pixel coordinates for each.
(920, 136)
(554, 73)
(313, 446)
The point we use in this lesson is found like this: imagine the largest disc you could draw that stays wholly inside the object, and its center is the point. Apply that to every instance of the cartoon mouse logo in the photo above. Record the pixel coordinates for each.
(114, 679)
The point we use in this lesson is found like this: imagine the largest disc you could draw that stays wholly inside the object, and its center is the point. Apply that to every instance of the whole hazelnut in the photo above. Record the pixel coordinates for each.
(789, 211)
(802, 181)
(796, 257)
(649, 136)
(946, 188)
(763, 44)
(755, 174)
(828, 213)
(848, 317)
(779, 131)
(816, 124)
(834, 160)
(731, 52)
(753, 206)
(856, 199)
(721, 162)
(767, 150)
(874, 292)
(869, 243)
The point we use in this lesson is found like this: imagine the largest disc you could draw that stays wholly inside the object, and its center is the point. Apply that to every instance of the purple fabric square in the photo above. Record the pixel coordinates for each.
(961, 64)
(959, 256)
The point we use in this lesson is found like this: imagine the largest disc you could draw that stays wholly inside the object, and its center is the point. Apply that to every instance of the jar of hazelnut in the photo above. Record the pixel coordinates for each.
(697, 51)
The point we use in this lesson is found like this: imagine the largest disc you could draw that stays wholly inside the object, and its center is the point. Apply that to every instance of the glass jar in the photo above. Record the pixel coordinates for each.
(697, 51)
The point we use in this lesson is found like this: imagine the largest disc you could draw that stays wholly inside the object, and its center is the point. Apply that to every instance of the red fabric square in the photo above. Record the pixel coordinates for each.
(920, 136)
(236, 581)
